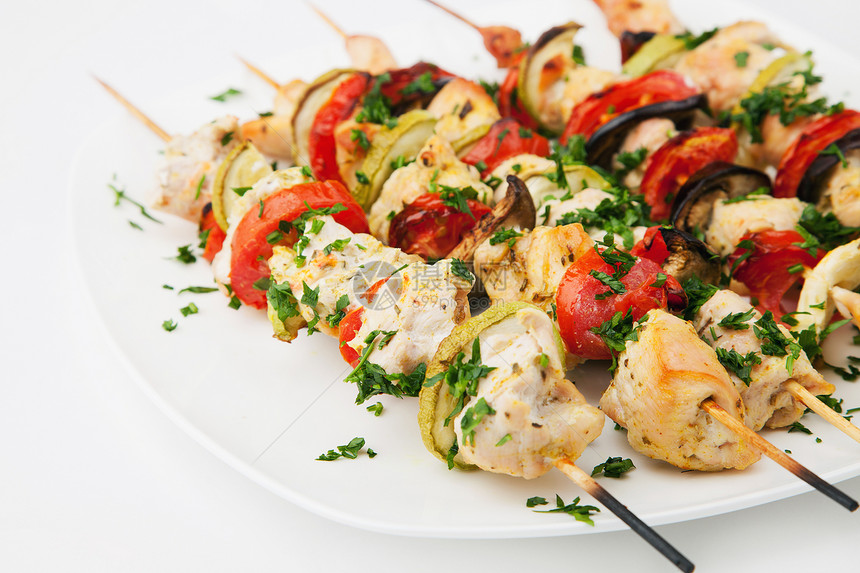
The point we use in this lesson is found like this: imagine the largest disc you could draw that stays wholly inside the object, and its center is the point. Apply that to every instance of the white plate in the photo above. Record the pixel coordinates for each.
(269, 409)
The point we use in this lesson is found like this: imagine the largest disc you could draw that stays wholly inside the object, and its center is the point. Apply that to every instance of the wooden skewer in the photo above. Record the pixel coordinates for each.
(260, 73)
(589, 484)
(329, 21)
(135, 112)
(456, 15)
(823, 410)
(779, 456)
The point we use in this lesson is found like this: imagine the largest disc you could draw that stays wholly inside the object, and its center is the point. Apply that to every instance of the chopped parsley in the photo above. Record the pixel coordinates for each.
(615, 332)
(698, 293)
(349, 451)
(360, 137)
(228, 137)
(421, 84)
(774, 342)
(535, 501)
(459, 269)
(504, 440)
(240, 191)
(617, 215)
(833, 149)
(361, 177)
(737, 320)
(226, 94)
(375, 409)
(339, 313)
(741, 59)
(185, 255)
(692, 41)
(613, 467)
(282, 300)
(740, 365)
(472, 417)
(377, 107)
(456, 198)
(462, 378)
(190, 309)
(508, 236)
(373, 380)
(169, 325)
(121, 196)
(579, 512)
(629, 161)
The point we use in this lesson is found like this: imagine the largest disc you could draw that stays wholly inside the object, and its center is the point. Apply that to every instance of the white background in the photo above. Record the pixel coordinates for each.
(93, 477)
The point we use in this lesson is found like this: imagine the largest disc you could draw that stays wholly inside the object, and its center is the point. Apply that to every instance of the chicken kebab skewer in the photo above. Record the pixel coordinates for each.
(501, 403)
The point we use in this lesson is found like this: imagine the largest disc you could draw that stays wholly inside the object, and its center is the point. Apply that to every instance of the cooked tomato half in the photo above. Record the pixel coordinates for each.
(215, 235)
(251, 248)
(585, 302)
(399, 79)
(347, 329)
(599, 108)
(769, 263)
(652, 246)
(680, 158)
(817, 136)
(505, 139)
(430, 228)
(321, 141)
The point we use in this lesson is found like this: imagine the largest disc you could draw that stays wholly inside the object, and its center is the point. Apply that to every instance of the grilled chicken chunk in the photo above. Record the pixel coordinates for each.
(465, 112)
(188, 166)
(639, 16)
(531, 269)
(539, 416)
(662, 379)
(398, 291)
(731, 221)
(436, 164)
(766, 401)
(842, 191)
(713, 67)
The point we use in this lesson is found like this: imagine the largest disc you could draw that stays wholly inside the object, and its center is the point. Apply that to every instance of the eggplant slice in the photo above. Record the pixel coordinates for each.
(632, 41)
(719, 180)
(812, 183)
(604, 143)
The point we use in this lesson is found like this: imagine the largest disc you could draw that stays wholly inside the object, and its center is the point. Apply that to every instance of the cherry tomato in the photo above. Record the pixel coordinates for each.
(215, 237)
(431, 229)
(680, 158)
(505, 139)
(765, 266)
(579, 310)
(599, 108)
(652, 246)
(812, 140)
(250, 247)
(321, 140)
(347, 329)
(509, 103)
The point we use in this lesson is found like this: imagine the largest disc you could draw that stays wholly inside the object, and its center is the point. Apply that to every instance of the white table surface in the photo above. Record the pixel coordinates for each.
(95, 478)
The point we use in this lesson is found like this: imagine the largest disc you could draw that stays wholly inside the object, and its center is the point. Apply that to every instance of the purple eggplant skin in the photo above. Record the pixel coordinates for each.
(605, 142)
(689, 257)
(812, 183)
(694, 202)
(631, 42)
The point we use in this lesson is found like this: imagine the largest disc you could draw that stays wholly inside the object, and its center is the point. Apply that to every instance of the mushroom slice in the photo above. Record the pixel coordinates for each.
(694, 203)
(689, 257)
(839, 268)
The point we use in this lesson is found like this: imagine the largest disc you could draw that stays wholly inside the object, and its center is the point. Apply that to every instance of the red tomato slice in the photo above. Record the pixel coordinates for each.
(509, 103)
(579, 311)
(431, 229)
(321, 141)
(652, 246)
(216, 236)
(251, 250)
(766, 270)
(811, 141)
(505, 139)
(347, 329)
(680, 158)
(599, 108)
